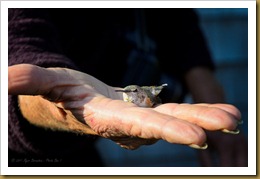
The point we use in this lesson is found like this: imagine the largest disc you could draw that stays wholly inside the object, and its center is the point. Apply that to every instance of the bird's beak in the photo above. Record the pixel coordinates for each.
(126, 91)
(123, 91)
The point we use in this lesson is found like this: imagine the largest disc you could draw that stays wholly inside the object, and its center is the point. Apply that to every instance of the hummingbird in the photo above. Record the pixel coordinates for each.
(143, 96)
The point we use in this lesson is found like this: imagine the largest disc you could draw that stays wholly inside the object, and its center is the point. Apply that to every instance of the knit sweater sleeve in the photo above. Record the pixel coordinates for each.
(31, 39)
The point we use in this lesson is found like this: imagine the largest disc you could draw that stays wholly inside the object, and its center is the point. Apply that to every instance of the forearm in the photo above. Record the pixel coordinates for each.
(43, 113)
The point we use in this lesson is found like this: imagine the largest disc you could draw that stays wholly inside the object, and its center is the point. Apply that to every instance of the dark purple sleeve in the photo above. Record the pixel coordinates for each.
(32, 39)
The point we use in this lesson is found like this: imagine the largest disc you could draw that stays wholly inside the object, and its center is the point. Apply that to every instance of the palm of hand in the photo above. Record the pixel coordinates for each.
(102, 109)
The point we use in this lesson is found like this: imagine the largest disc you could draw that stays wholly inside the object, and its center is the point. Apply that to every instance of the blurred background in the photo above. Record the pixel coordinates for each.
(226, 33)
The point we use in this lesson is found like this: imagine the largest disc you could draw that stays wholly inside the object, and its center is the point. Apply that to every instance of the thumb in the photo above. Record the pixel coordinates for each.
(27, 79)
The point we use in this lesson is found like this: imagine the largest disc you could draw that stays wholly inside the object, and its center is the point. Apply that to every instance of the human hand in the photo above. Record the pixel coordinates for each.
(100, 108)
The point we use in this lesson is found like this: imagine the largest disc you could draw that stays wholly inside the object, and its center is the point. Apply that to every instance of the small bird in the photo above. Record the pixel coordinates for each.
(143, 96)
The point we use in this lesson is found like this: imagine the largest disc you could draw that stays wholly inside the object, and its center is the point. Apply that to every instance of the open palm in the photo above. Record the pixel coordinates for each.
(101, 109)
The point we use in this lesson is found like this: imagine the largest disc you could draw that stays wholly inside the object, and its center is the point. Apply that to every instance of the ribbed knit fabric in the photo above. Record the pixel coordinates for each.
(33, 40)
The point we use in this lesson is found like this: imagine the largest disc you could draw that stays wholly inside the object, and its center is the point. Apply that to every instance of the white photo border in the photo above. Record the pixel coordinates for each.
(250, 170)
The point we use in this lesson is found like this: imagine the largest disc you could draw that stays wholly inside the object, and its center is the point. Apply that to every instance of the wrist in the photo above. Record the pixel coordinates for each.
(43, 113)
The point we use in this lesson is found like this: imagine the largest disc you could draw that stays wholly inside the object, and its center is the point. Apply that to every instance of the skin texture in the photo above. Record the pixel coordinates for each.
(78, 102)
(231, 150)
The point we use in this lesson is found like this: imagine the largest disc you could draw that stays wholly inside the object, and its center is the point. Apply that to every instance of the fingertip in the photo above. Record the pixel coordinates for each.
(183, 132)
(231, 109)
(17, 78)
(24, 79)
(234, 111)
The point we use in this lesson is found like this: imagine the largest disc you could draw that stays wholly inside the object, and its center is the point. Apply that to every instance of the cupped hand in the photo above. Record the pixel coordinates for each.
(100, 107)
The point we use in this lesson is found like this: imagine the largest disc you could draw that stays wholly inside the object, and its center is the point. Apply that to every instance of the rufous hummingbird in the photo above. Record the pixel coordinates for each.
(143, 96)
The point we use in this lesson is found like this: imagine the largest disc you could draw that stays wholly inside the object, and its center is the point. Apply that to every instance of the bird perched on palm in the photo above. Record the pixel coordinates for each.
(143, 96)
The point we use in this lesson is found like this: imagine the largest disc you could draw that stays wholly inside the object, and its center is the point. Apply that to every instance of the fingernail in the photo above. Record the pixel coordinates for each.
(195, 146)
(236, 131)
(240, 122)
